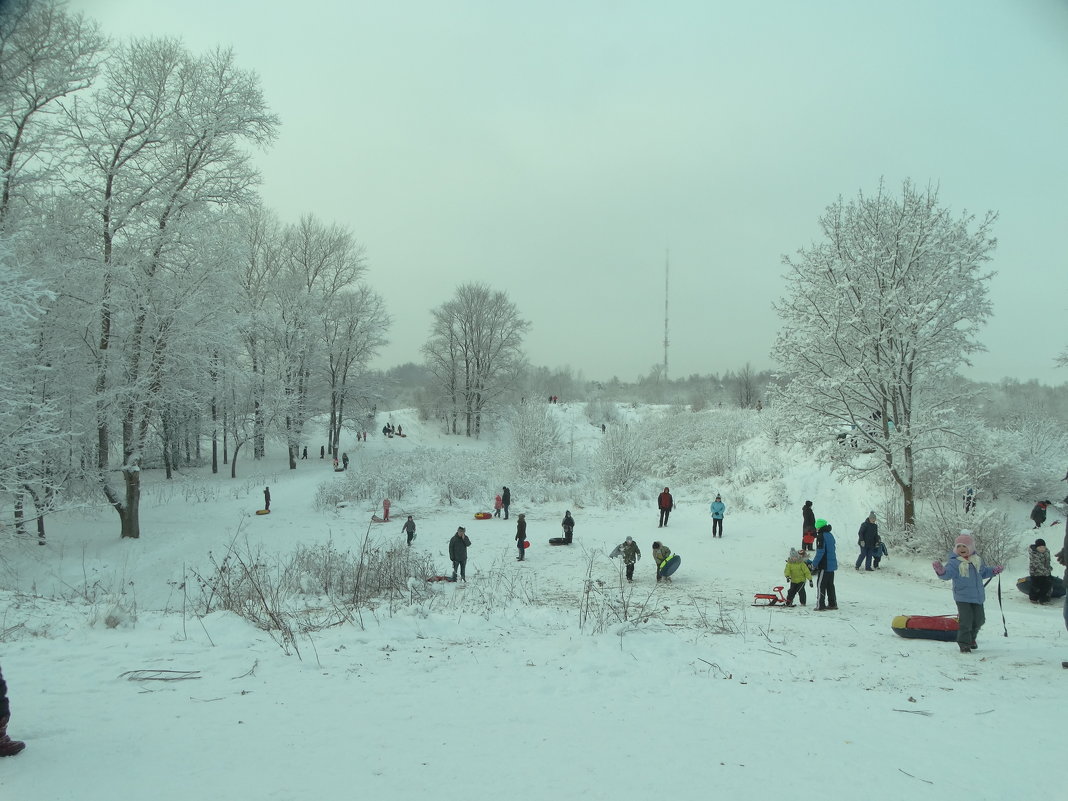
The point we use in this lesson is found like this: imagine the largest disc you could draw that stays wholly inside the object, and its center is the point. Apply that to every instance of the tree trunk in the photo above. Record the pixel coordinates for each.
(129, 514)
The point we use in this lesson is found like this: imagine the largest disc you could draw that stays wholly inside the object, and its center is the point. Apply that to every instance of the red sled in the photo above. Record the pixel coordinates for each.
(526, 543)
(483, 515)
(920, 627)
(773, 598)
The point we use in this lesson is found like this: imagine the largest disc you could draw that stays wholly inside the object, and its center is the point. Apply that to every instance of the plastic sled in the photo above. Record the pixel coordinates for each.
(483, 515)
(526, 544)
(671, 564)
(773, 598)
(1024, 585)
(440, 578)
(920, 627)
(559, 541)
(268, 511)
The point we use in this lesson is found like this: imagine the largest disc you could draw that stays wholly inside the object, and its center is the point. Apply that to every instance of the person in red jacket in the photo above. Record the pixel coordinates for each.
(666, 504)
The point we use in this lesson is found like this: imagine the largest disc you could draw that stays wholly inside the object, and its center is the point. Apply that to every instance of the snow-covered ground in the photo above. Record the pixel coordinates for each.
(521, 684)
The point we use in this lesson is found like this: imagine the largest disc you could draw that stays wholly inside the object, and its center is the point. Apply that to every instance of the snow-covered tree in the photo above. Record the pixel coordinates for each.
(45, 54)
(163, 137)
(890, 300)
(354, 328)
(620, 462)
(535, 440)
(475, 352)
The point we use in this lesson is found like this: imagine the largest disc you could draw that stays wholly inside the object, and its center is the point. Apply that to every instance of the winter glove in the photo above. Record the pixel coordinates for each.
(998, 569)
(939, 568)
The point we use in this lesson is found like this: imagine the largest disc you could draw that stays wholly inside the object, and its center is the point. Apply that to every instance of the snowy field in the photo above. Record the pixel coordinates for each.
(521, 684)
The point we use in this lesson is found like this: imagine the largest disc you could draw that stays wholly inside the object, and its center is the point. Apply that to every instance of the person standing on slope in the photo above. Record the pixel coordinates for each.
(808, 526)
(521, 536)
(867, 540)
(458, 546)
(825, 563)
(965, 568)
(665, 503)
(718, 509)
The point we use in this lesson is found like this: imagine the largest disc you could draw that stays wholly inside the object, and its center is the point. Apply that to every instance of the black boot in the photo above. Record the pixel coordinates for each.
(8, 747)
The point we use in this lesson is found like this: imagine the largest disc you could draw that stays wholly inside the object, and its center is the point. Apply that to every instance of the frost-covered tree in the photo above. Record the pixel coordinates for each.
(45, 54)
(620, 462)
(354, 329)
(535, 440)
(475, 352)
(891, 299)
(165, 135)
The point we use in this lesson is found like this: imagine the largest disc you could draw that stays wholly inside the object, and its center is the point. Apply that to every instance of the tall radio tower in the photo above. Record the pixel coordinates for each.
(667, 269)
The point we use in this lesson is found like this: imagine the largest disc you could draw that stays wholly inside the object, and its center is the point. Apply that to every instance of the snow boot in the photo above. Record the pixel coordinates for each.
(8, 747)
(964, 648)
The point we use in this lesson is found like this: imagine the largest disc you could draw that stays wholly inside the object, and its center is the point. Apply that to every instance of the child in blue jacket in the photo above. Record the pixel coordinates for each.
(965, 568)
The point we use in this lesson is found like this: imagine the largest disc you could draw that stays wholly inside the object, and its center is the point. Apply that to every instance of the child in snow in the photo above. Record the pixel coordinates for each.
(965, 568)
(1040, 572)
(661, 553)
(630, 552)
(498, 502)
(521, 536)
(798, 573)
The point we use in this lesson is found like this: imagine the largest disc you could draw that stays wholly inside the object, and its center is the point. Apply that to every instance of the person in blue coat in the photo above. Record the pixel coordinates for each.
(965, 568)
(718, 509)
(824, 564)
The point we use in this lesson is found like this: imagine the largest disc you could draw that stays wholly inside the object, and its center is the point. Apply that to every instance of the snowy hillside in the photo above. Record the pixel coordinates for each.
(550, 678)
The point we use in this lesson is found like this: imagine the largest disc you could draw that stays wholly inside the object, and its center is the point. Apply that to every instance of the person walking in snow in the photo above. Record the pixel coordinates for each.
(506, 500)
(630, 552)
(568, 525)
(267, 499)
(797, 573)
(825, 563)
(661, 553)
(808, 526)
(458, 546)
(304, 454)
(385, 509)
(521, 536)
(409, 529)
(717, 509)
(665, 503)
(322, 451)
(965, 568)
(867, 537)
(498, 502)
(1040, 572)
(1038, 514)
(8, 747)
(344, 461)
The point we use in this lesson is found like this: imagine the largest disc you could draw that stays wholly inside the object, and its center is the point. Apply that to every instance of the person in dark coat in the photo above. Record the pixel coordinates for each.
(521, 536)
(808, 526)
(1038, 514)
(345, 461)
(630, 552)
(304, 455)
(824, 564)
(568, 525)
(267, 499)
(867, 540)
(458, 546)
(506, 501)
(409, 529)
(322, 451)
(8, 747)
(665, 503)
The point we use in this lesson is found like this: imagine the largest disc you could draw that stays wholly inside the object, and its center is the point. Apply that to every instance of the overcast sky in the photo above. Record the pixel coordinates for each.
(560, 149)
